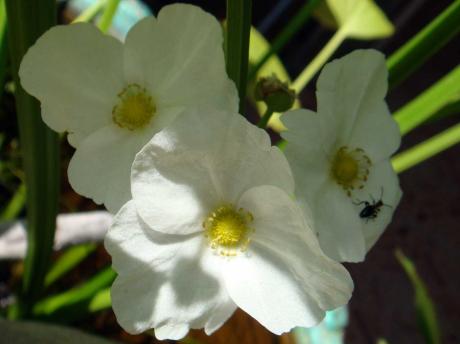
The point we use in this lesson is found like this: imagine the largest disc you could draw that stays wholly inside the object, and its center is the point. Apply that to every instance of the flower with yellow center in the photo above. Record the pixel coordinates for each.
(112, 97)
(340, 156)
(212, 226)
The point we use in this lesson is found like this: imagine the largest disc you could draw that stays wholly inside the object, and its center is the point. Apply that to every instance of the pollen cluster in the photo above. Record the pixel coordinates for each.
(228, 230)
(350, 168)
(135, 108)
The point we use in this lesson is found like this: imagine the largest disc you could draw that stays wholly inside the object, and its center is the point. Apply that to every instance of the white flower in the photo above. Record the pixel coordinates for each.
(211, 227)
(340, 156)
(112, 97)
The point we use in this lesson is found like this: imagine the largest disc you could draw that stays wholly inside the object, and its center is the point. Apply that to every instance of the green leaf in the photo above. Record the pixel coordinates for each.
(258, 47)
(26, 332)
(426, 149)
(359, 19)
(444, 92)
(76, 302)
(451, 108)
(15, 205)
(426, 312)
(67, 261)
(27, 20)
(237, 44)
(416, 51)
(101, 300)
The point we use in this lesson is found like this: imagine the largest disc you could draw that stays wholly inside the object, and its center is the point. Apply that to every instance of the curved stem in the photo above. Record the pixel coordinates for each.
(90, 12)
(107, 16)
(265, 118)
(309, 72)
(294, 25)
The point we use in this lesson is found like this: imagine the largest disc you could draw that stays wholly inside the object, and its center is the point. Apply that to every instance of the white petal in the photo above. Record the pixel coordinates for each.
(308, 134)
(174, 193)
(171, 331)
(164, 282)
(335, 220)
(338, 225)
(376, 132)
(310, 141)
(383, 184)
(351, 90)
(132, 244)
(187, 170)
(220, 315)
(264, 286)
(309, 175)
(100, 168)
(76, 73)
(281, 226)
(182, 40)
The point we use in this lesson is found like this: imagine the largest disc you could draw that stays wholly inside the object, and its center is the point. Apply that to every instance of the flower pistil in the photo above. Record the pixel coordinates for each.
(350, 168)
(228, 229)
(135, 108)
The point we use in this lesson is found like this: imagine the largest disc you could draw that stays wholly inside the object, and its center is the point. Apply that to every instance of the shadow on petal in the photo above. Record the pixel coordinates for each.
(192, 284)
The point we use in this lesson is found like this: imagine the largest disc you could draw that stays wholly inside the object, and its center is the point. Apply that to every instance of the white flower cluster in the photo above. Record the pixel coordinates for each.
(207, 216)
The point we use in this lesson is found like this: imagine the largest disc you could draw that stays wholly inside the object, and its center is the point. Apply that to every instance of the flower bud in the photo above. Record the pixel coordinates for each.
(276, 94)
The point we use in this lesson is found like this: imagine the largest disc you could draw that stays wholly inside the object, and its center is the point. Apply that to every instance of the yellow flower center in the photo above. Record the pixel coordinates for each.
(350, 168)
(228, 230)
(135, 108)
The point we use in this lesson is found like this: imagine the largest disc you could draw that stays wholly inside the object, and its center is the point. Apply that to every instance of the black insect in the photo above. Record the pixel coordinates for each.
(371, 210)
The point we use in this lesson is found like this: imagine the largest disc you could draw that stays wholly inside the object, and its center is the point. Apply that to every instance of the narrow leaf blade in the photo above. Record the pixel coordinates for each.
(27, 20)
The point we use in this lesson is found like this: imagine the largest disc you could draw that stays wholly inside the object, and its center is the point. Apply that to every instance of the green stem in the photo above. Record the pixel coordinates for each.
(309, 72)
(107, 16)
(426, 149)
(427, 104)
(416, 51)
(265, 118)
(28, 19)
(281, 144)
(237, 44)
(90, 12)
(294, 25)
(3, 44)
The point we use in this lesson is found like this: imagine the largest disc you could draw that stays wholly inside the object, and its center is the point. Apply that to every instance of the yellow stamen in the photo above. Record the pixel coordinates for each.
(227, 230)
(350, 168)
(135, 108)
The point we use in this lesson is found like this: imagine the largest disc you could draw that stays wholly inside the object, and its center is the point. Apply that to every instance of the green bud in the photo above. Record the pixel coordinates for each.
(276, 94)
